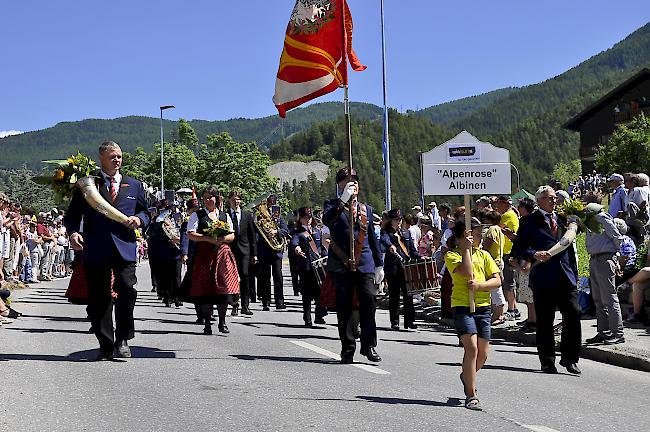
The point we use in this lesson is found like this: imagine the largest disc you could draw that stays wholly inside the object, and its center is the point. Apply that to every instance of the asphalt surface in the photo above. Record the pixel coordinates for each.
(273, 374)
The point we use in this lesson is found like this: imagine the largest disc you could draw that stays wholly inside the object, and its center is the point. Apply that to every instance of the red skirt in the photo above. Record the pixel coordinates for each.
(77, 292)
(214, 275)
(328, 294)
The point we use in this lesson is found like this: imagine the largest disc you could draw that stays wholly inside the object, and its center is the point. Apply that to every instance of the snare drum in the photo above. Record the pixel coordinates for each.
(421, 276)
(318, 267)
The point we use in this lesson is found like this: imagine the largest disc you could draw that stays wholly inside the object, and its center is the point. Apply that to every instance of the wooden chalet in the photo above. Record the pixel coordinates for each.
(598, 121)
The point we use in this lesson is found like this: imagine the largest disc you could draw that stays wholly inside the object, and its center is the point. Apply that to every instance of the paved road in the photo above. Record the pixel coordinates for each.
(271, 373)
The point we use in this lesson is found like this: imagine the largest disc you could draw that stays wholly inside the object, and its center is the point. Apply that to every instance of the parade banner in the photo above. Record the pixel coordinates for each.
(317, 47)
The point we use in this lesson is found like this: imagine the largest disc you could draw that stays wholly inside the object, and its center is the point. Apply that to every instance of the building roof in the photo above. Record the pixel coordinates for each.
(575, 122)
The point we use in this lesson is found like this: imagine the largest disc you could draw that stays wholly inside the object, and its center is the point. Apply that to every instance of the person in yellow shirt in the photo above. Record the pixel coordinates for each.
(509, 226)
(471, 268)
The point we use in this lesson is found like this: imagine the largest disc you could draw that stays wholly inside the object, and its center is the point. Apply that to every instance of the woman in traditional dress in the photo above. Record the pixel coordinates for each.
(214, 278)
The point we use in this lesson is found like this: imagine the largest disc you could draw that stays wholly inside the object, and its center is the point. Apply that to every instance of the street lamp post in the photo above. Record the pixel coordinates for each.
(162, 150)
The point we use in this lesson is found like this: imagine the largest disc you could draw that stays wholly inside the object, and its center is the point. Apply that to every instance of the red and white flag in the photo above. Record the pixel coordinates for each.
(317, 47)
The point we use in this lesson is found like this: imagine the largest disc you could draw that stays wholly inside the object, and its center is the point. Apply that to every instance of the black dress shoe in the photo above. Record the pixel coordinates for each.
(347, 359)
(246, 312)
(599, 338)
(235, 311)
(199, 321)
(104, 355)
(266, 307)
(371, 354)
(394, 327)
(319, 320)
(280, 306)
(178, 303)
(549, 369)
(122, 350)
(411, 326)
(308, 324)
(571, 368)
(223, 329)
(207, 330)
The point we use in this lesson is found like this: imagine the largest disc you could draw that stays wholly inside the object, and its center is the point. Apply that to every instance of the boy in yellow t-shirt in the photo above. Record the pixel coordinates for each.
(471, 268)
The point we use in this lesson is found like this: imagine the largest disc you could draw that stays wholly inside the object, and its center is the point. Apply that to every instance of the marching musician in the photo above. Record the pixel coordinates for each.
(165, 256)
(213, 278)
(360, 275)
(244, 247)
(308, 247)
(110, 247)
(400, 249)
(270, 261)
(295, 276)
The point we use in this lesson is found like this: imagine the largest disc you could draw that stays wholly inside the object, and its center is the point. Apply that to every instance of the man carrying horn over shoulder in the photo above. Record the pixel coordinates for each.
(109, 246)
(360, 275)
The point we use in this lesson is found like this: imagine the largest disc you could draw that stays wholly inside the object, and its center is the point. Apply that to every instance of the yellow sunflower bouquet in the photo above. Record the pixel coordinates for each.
(66, 173)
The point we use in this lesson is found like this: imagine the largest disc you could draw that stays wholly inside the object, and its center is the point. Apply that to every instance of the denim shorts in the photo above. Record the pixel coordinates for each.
(477, 323)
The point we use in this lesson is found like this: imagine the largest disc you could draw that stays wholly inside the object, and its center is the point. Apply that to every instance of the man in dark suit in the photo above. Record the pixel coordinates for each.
(553, 280)
(110, 247)
(244, 247)
(270, 261)
(360, 275)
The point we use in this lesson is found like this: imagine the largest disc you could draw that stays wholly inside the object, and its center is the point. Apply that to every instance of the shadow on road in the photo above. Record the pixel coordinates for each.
(285, 359)
(496, 367)
(300, 336)
(451, 402)
(421, 342)
(88, 355)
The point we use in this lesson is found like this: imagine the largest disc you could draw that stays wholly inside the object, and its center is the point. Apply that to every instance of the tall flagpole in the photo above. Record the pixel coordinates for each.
(348, 133)
(386, 140)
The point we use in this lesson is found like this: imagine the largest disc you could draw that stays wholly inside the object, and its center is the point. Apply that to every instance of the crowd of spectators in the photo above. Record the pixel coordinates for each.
(34, 247)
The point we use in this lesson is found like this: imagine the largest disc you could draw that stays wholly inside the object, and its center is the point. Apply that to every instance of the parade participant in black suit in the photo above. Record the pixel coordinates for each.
(295, 275)
(306, 244)
(110, 247)
(244, 247)
(553, 280)
(213, 278)
(399, 247)
(361, 276)
(165, 256)
(270, 261)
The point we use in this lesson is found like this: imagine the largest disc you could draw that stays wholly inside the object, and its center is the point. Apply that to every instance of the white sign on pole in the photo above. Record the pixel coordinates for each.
(466, 166)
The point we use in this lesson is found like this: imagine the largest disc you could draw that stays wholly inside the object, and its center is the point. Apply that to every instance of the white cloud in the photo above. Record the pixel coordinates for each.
(9, 132)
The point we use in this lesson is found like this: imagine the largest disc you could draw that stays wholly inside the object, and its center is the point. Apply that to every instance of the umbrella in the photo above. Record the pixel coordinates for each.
(184, 191)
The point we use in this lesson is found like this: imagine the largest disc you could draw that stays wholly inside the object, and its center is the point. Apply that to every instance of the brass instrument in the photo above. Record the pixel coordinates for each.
(91, 194)
(266, 226)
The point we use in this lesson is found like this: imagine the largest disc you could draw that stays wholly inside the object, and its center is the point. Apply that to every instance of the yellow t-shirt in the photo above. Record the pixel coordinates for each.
(483, 266)
(509, 219)
(496, 248)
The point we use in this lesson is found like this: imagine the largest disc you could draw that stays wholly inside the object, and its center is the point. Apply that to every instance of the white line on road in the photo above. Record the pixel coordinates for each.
(537, 428)
(321, 351)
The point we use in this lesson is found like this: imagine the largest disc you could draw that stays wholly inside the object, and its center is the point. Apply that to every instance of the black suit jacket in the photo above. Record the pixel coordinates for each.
(245, 243)
(535, 235)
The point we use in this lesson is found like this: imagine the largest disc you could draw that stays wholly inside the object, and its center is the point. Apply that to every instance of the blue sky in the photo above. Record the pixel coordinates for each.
(214, 59)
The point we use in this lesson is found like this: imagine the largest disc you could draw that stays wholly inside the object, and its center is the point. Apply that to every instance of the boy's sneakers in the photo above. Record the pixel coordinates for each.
(512, 315)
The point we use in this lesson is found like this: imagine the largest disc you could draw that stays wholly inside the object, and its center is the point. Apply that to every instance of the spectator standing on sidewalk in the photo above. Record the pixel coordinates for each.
(603, 249)
(619, 198)
(509, 225)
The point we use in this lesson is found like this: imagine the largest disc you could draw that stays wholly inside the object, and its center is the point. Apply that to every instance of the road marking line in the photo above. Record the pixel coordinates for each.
(326, 353)
(538, 428)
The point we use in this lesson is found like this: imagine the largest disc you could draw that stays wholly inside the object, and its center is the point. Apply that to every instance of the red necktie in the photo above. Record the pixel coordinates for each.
(553, 225)
(112, 190)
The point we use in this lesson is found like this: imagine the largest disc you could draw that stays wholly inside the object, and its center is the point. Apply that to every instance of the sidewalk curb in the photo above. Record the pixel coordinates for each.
(611, 355)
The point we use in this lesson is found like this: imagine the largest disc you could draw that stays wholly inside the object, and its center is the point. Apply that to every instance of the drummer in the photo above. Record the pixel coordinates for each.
(307, 245)
(399, 247)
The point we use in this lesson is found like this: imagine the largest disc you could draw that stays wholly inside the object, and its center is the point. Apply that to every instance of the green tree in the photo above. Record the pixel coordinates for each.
(231, 165)
(566, 172)
(137, 164)
(187, 135)
(628, 149)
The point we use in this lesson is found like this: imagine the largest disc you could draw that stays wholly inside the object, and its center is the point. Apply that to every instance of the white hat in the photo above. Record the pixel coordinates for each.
(615, 177)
